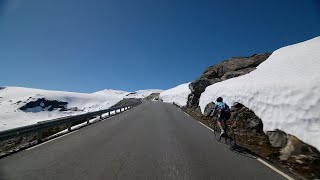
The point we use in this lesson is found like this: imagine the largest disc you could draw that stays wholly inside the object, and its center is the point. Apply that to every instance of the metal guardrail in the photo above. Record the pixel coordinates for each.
(43, 125)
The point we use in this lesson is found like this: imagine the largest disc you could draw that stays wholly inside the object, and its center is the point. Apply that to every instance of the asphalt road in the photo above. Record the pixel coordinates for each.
(152, 141)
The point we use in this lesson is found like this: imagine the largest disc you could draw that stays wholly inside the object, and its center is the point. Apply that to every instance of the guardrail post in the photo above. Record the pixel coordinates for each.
(109, 113)
(69, 127)
(100, 116)
(88, 120)
(39, 136)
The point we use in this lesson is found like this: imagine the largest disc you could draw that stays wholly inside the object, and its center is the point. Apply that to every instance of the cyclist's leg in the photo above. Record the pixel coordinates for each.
(225, 126)
(219, 124)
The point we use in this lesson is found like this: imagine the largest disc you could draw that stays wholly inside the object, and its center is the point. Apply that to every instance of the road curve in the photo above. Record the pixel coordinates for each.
(151, 141)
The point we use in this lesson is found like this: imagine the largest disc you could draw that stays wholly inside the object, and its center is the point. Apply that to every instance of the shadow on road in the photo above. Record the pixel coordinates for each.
(240, 150)
(243, 152)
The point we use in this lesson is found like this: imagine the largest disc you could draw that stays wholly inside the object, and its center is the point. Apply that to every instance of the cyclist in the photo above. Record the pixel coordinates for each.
(223, 113)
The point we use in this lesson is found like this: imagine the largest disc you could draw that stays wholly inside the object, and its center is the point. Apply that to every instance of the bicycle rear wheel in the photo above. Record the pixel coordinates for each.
(231, 139)
(217, 132)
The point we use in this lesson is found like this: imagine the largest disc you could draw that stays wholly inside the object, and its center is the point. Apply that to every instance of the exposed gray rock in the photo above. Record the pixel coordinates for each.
(127, 101)
(197, 87)
(44, 104)
(246, 120)
(153, 96)
(208, 109)
(132, 93)
(233, 74)
(277, 138)
(234, 64)
(227, 69)
(74, 109)
(299, 150)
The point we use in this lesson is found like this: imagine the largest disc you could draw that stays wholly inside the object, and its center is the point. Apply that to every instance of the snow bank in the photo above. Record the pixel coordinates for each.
(284, 91)
(178, 95)
(12, 98)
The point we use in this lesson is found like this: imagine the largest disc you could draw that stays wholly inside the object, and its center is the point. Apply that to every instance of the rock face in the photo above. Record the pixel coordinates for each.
(227, 69)
(44, 104)
(292, 147)
(245, 120)
(208, 109)
(127, 101)
(277, 138)
(153, 96)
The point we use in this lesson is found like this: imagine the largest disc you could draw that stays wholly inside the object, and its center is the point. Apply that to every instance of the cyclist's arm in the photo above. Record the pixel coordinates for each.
(214, 110)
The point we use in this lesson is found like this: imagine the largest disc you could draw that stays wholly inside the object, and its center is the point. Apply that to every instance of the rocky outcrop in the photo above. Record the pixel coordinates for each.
(277, 138)
(208, 109)
(44, 104)
(127, 101)
(295, 147)
(227, 69)
(132, 93)
(153, 96)
(245, 120)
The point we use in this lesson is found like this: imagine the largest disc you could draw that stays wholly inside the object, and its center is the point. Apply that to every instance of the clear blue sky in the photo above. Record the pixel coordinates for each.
(86, 46)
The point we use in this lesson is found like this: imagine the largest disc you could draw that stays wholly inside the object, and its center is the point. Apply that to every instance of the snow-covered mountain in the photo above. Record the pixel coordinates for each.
(178, 95)
(22, 106)
(135, 94)
(143, 93)
(111, 92)
(284, 91)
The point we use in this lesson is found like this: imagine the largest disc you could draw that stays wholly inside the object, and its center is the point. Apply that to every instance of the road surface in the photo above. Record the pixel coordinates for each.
(151, 141)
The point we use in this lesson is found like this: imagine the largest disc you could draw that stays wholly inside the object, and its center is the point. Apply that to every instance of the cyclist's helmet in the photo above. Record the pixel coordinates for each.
(219, 99)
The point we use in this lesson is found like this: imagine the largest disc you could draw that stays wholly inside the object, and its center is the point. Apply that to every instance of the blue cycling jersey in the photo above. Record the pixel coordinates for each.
(221, 105)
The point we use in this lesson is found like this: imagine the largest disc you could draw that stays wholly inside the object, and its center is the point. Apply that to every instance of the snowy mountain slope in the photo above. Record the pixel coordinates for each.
(135, 94)
(284, 91)
(13, 98)
(22, 106)
(178, 95)
(143, 93)
(111, 92)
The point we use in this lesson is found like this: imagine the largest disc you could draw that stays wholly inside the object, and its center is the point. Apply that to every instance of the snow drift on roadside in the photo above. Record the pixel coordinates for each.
(284, 91)
(178, 95)
(12, 98)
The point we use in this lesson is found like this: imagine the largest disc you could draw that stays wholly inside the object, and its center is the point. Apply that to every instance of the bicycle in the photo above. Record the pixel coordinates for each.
(229, 135)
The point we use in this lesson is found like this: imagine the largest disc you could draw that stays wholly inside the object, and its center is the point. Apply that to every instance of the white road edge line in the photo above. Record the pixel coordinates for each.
(260, 160)
(50, 140)
(205, 126)
(275, 169)
(187, 114)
